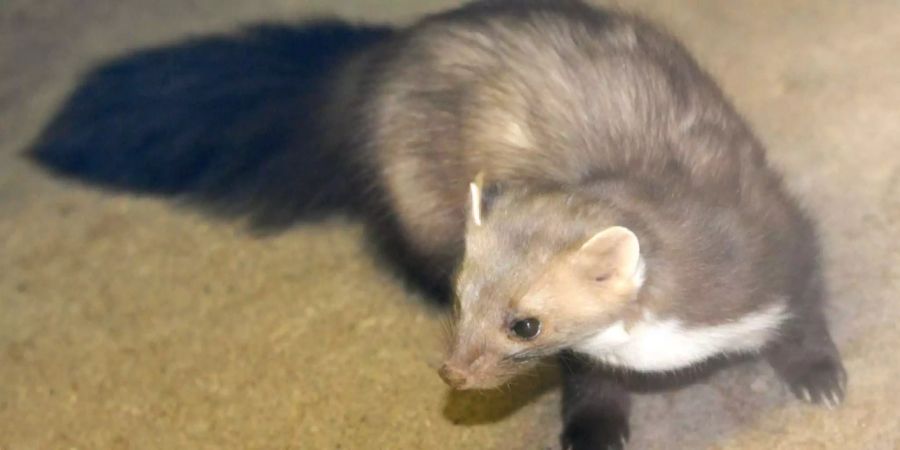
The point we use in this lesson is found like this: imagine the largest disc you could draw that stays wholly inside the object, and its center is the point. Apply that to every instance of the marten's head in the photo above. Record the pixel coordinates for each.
(538, 276)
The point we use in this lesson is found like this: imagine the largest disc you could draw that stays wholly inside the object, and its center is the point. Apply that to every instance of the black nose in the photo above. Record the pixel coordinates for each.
(454, 378)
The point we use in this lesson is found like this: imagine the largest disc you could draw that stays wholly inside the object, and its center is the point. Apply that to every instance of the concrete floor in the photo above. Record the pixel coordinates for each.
(126, 322)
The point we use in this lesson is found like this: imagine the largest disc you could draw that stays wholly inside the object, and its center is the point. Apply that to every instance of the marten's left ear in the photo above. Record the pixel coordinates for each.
(480, 198)
(613, 254)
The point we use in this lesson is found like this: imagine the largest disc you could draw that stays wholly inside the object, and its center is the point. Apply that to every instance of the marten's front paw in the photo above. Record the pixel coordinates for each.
(595, 431)
(821, 382)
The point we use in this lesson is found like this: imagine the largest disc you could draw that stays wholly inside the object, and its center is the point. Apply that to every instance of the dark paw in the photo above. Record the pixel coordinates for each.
(595, 432)
(821, 382)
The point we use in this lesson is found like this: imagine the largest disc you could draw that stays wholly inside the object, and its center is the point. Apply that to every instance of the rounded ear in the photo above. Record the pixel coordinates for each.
(612, 253)
(475, 205)
(480, 198)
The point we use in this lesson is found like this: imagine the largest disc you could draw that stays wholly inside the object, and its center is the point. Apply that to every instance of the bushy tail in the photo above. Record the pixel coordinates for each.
(230, 122)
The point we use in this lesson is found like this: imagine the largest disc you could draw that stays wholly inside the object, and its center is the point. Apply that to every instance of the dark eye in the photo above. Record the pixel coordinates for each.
(526, 328)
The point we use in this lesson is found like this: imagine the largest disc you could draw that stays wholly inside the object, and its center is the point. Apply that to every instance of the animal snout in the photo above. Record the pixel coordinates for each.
(454, 377)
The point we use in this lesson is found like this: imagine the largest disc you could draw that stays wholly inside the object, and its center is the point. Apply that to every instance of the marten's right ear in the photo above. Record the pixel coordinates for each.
(480, 198)
(613, 255)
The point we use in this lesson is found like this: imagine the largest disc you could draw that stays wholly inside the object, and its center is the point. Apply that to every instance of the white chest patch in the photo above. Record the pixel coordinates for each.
(659, 345)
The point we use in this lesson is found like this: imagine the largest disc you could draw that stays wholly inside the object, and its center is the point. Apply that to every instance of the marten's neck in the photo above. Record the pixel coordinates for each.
(698, 297)
(703, 259)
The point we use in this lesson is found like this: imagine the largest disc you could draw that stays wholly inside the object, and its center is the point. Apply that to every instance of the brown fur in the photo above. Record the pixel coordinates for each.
(580, 120)
(551, 93)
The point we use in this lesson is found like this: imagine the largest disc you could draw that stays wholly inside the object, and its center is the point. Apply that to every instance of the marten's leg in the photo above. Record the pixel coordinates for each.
(805, 357)
(595, 407)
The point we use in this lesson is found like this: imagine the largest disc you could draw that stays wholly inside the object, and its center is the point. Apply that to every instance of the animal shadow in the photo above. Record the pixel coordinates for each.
(231, 125)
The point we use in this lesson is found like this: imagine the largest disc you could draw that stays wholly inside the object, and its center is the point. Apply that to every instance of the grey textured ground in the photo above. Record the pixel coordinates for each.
(128, 323)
